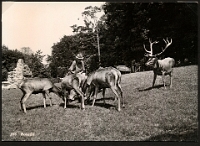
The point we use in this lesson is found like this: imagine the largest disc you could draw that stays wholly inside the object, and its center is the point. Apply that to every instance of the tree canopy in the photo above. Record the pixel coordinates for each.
(118, 37)
(125, 27)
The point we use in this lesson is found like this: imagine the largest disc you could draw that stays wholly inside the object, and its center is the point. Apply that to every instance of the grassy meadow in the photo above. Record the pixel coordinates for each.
(149, 115)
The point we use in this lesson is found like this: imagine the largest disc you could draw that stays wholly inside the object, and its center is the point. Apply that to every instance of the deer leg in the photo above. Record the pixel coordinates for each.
(76, 88)
(95, 94)
(92, 92)
(170, 80)
(23, 100)
(115, 98)
(103, 93)
(163, 77)
(21, 108)
(114, 89)
(44, 100)
(89, 93)
(48, 94)
(65, 99)
(121, 94)
(154, 79)
(82, 98)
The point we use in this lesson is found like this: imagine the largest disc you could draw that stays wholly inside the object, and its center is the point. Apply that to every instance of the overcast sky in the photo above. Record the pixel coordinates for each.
(39, 25)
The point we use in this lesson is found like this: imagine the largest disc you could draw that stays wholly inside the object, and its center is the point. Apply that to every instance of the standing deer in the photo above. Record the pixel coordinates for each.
(103, 78)
(160, 67)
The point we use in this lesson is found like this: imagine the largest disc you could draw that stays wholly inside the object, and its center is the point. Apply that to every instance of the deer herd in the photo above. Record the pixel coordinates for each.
(87, 85)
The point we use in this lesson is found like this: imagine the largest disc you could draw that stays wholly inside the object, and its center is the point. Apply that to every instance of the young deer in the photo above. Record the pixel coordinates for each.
(35, 86)
(160, 67)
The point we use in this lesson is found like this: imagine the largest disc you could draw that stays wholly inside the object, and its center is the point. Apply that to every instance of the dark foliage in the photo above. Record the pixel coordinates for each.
(131, 24)
(124, 29)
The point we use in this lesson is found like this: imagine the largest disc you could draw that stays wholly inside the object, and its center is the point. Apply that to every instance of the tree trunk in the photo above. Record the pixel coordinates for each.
(98, 49)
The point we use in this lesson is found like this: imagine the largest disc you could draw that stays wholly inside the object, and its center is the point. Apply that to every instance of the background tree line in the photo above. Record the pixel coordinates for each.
(121, 32)
(124, 29)
(34, 61)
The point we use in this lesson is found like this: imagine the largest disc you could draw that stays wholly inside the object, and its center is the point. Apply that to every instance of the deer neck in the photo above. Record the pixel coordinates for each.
(156, 64)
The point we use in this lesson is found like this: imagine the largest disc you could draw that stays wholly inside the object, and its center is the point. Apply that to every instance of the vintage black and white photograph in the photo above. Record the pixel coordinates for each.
(100, 71)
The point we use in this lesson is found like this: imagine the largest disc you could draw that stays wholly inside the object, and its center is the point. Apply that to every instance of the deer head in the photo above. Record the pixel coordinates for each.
(153, 58)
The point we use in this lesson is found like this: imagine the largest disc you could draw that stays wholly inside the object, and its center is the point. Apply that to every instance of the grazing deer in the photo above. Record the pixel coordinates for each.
(35, 86)
(72, 84)
(160, 67)
(103, 78)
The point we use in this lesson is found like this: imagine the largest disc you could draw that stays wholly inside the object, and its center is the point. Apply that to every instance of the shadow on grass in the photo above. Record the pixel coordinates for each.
(188, 136)
(35, 107)
(106, 105)
(149, 88)
(70, 105)
(101, 103)
(101, 99)
(48, 105)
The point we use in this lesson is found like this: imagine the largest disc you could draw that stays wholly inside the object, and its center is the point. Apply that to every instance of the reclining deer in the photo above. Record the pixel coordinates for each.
(160, 67)
(103, 78)
(37, 85)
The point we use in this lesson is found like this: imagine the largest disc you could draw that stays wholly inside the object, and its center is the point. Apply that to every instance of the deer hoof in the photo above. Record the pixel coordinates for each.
(82, 108)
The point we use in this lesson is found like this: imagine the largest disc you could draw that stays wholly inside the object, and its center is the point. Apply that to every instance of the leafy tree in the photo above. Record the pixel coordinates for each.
(85, 40)
(34, 61)
(26, 50)
(62, 54)
(35, 64)
(129, 25)
(91, 22)
(125, 26)
(10, 58)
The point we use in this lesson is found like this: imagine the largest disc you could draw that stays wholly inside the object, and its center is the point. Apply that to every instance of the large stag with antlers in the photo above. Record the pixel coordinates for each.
(160, 67)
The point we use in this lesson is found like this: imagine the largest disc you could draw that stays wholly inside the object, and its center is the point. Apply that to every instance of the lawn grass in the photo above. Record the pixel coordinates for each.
(149, 114)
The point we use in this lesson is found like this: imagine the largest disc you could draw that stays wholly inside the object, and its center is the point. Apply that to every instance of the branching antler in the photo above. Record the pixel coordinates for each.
(167, 45)
(150, 53)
